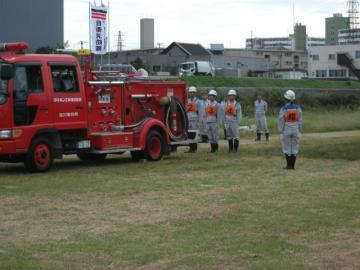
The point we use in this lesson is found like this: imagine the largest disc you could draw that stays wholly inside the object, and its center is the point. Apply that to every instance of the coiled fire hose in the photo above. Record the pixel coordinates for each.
(171, 110)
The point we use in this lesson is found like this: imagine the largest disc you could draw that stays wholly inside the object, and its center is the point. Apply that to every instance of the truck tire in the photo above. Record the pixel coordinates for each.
(91, 157)
(40, 156)
(154, 149)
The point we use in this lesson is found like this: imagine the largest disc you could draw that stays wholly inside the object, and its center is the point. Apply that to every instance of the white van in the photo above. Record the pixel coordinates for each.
(196, 68)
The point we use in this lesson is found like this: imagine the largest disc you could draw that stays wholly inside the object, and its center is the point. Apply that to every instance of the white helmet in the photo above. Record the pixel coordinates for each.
(290, 95)
(231, 92)
(192, 89)
(212, 93)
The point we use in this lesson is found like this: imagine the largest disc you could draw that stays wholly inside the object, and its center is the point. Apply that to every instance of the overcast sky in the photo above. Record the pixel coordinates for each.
(202, 21)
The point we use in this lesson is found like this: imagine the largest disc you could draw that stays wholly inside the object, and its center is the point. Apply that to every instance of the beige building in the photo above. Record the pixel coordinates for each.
(334, 62)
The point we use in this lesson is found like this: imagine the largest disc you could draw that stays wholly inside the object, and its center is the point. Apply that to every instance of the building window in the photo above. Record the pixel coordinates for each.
(357, 54)
(337, 73)
(321, 74)
(315, 57)
(332, 57)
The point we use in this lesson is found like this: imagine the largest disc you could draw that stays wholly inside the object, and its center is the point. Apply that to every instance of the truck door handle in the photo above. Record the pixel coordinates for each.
(79, 107)
(44, 108)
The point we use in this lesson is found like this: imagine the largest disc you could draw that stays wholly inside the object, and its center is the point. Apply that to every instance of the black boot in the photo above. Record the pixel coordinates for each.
(288, 162)
(231, 145)
(267, 136)
(204, 138)
(213, 148)
(216, 147)
(192, 148)
(258, 137)
(236, 145)
(225, 133)
(293, 161)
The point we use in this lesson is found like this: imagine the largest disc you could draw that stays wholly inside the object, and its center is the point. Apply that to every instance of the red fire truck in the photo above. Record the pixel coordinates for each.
(50, 108)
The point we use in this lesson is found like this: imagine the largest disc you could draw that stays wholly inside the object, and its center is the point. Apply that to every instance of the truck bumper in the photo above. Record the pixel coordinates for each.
(7, 148)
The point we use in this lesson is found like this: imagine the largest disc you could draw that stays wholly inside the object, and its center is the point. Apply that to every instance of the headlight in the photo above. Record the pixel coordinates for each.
(5, 134)
(8, 134)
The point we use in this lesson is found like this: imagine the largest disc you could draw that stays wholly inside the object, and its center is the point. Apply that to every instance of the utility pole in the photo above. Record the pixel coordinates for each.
(159, 44)
(353, 11)
(120, 42)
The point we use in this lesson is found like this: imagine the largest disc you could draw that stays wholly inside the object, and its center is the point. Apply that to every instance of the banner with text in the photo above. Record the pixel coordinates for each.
(98, 26)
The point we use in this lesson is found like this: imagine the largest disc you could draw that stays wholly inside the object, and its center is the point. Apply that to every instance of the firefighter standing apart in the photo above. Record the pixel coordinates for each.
(212, 120)
(290, 127)
(202, 120)
(193, 109)
(232, 117)
(261, 108)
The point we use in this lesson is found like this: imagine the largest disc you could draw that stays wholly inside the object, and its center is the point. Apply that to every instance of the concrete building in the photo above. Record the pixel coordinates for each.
(299, 41)
(300, 37)
(262, 63)
(147, 34)
(335, 62)
(164, 59)
(332, 26)
(278, 43)
(349, 36)
(38, 22)
(228, 62)
(274, 43)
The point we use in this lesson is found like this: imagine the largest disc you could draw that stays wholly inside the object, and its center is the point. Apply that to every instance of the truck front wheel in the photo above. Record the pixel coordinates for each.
(154, 146)
(40, 156)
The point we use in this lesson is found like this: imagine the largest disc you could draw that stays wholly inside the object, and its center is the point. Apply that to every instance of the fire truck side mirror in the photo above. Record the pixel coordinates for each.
(7, 72)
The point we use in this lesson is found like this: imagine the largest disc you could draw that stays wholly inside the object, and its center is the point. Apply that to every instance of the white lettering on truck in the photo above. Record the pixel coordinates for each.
(68, 114)
(67, 100)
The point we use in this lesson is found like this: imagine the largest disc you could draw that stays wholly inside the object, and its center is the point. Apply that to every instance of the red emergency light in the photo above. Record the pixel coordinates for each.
(13, 47)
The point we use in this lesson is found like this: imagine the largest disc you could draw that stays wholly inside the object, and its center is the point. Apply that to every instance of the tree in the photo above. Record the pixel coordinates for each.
(51, 50)
(138, 63)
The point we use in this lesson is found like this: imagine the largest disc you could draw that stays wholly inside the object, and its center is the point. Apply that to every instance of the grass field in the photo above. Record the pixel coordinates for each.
(318, 121)
(201, 211)
(219, 81)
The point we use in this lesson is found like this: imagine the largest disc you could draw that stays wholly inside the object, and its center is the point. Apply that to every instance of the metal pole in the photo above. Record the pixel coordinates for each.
(109, 30)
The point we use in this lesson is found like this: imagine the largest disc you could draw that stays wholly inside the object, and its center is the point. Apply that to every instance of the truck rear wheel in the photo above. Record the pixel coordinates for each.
(154, 146)
(40, 156)
(91, 157)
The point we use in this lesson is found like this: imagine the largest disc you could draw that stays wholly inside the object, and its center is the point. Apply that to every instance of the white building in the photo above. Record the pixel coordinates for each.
(334, 62)
(349, 36)
(276, 43)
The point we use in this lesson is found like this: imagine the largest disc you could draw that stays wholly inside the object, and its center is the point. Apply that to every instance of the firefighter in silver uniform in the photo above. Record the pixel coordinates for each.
(193, 110)
(212, 111)
(232, 117)
(290, 127)
(261, 108)
(202, 120)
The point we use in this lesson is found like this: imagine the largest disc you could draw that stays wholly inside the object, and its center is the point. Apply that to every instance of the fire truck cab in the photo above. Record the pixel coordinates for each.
(50, 108)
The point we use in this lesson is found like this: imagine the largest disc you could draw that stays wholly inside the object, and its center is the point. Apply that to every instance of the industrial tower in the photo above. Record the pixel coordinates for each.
(353, 11)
